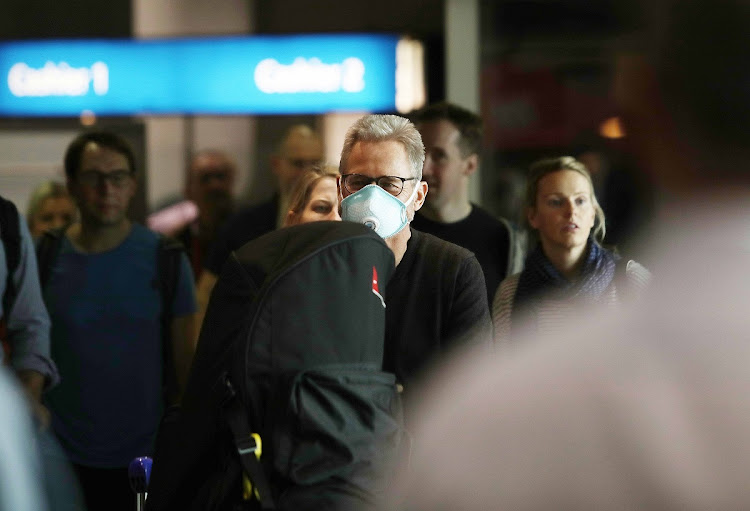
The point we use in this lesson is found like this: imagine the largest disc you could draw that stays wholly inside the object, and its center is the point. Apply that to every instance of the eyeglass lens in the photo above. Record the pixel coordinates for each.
(95, 177)
(391, 184)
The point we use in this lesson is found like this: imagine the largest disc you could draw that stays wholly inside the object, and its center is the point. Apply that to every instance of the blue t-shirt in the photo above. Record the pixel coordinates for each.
(106, 341)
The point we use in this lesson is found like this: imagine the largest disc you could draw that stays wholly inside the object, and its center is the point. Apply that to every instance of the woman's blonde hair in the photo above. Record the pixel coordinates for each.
(303, 188)
(541, 168)
(44, 191)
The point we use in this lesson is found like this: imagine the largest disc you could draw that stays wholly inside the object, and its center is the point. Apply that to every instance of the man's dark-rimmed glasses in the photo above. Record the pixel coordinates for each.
(391, 184)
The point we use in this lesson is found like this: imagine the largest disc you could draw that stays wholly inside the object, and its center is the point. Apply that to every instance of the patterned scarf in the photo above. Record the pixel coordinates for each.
(540, 278)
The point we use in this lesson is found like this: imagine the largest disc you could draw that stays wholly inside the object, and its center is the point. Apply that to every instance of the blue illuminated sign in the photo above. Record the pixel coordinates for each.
(228, 75)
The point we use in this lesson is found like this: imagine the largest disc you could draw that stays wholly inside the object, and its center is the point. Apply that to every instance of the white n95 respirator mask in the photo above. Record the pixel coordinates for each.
(377, 209)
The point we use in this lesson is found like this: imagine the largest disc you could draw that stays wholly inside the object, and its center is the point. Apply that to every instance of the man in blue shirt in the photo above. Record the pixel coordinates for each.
(104, 298)
(27, 323)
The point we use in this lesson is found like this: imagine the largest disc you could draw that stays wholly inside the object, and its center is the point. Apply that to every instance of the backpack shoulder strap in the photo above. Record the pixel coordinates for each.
(11, 239)
(168, 272)
(168, 266)
(47, 250)
(247, 443)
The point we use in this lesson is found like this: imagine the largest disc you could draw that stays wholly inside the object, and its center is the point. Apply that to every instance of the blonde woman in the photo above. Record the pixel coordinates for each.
(314, 197)
(568, 266)
(50, 207)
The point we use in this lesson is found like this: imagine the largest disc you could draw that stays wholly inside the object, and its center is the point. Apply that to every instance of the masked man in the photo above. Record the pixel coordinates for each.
(436, 299)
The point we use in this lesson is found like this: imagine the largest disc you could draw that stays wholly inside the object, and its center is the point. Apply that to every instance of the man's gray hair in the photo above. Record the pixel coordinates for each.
(383, 128)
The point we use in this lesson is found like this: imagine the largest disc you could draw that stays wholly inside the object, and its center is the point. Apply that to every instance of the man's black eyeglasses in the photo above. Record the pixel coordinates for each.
(391, 184)
(93, 178)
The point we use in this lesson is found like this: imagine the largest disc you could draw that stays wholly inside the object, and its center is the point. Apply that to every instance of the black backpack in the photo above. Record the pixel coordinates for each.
(289, 361)
(168, 272)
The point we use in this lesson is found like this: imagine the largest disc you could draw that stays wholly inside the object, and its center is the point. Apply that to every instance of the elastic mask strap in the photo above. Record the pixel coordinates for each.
(340, 186)
(413, 195)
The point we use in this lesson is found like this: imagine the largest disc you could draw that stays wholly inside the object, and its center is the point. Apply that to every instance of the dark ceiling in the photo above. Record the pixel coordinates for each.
(502, 21)
(557, 17)
(419, 18)
(25, 19)
(65, 19)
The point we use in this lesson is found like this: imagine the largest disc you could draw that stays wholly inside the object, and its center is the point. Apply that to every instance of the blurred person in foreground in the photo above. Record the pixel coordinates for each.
(569, 267)
(647, 407)
(21, 473)
(50, 207)
(34, 472)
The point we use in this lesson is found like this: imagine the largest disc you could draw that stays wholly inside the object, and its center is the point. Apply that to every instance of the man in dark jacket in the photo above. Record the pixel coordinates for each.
(436, 299)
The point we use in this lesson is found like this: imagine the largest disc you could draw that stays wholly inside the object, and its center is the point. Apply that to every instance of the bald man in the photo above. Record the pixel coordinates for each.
(209, 183)
(298, 151)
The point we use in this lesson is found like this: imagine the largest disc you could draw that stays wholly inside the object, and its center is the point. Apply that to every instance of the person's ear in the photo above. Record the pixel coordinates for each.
(291, 218)
(471, 164)
(421, 194)
(531, 218)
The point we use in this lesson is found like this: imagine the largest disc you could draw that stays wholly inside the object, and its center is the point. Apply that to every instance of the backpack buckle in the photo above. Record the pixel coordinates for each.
(249, 445)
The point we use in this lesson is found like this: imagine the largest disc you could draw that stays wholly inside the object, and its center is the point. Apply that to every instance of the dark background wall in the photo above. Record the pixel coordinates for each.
(42, 19)
(545, 64)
